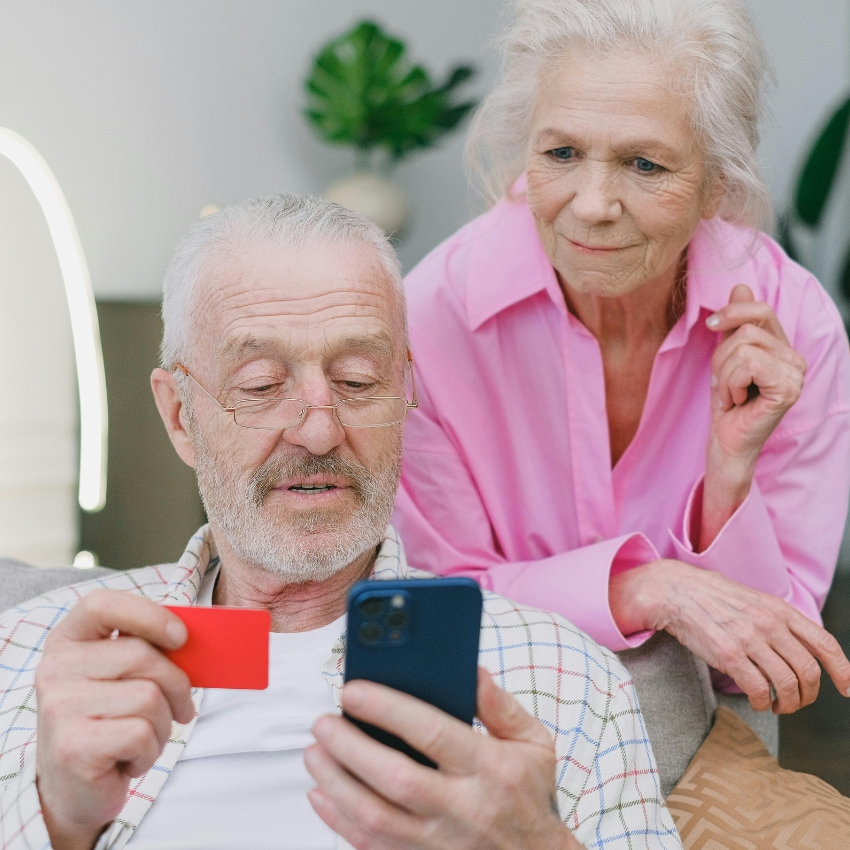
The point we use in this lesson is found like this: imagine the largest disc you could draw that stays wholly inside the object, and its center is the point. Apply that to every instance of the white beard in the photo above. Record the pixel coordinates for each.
(305, 546)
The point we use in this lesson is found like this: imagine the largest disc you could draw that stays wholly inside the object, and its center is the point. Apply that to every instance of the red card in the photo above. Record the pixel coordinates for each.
(226, 647)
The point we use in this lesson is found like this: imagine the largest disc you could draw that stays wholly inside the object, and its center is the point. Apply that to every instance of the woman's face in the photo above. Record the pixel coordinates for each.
(615, 178)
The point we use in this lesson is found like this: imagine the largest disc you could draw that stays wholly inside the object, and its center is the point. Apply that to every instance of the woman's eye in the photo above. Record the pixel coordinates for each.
(562, 154)
(645, 165)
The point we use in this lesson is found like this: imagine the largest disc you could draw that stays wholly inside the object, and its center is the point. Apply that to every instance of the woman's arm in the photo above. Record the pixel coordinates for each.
(756, 377)
(444, 524)
(737, 595)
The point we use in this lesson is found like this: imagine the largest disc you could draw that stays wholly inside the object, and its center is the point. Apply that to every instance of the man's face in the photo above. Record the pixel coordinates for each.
(320, 324)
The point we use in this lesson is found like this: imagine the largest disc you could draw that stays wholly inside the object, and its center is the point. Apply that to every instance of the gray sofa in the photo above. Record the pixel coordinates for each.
(673, 685)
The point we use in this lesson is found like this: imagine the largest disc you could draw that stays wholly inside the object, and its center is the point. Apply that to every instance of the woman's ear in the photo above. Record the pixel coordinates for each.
(173, 414)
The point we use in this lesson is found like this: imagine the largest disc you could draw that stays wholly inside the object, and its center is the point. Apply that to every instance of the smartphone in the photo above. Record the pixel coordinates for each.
(419, 636)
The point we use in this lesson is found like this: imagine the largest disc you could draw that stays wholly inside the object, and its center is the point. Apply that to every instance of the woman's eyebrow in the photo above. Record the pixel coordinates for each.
(653, 147)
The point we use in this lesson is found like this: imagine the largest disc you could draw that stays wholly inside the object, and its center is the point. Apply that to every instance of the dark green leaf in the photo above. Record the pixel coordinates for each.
(819, 171)
(364, 91)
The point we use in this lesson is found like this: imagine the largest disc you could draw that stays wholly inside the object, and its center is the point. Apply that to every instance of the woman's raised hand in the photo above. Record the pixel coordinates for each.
(756, 376)
(760, 641)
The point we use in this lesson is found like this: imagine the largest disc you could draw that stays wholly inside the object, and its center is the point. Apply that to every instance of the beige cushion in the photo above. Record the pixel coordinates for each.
(735, 796)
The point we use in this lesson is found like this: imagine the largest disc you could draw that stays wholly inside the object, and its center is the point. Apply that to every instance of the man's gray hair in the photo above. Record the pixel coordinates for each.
(720, 65)
(291, 221)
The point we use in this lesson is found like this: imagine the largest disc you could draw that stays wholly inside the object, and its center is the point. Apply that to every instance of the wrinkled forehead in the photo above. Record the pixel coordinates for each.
(308, 300)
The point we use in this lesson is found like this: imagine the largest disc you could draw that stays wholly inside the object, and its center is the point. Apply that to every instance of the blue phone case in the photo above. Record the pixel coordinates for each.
(419, 636)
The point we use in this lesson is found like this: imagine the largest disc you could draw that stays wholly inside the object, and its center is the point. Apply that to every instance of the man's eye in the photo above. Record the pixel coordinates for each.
(356, 386)
(562, 154)
(645, 165)
(259, 389)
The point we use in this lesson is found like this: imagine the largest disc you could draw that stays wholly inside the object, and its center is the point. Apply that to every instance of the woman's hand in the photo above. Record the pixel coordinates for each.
(756, 639)
(755, 378)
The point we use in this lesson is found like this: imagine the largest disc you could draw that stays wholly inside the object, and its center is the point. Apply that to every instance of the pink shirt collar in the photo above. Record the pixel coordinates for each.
(508, 265)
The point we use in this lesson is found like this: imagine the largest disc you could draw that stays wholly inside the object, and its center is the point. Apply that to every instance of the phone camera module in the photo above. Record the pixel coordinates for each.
(396, 619)
(371, 607)
(370, 632)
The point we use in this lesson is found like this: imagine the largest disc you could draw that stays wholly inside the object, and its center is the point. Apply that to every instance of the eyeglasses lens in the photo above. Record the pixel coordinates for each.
(282, 413)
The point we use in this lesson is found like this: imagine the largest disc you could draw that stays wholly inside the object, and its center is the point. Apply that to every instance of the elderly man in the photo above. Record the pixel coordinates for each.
(280, 314)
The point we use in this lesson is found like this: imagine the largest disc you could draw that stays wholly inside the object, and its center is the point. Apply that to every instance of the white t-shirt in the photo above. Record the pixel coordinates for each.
(241, 781)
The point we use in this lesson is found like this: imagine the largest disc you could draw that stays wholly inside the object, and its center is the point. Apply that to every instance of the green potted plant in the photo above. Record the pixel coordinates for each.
(363, 91)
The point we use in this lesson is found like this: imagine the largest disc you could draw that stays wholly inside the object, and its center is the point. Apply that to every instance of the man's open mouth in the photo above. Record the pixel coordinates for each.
(312, 488)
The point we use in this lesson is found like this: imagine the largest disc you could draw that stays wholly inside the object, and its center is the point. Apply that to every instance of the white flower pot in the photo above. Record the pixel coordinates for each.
(379, 198)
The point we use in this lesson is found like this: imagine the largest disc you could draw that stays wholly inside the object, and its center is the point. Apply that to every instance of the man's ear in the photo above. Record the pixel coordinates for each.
(173, 415)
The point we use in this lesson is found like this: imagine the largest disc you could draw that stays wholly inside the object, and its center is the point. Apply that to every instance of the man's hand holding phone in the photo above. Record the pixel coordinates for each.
(488, 791)
(105, 707)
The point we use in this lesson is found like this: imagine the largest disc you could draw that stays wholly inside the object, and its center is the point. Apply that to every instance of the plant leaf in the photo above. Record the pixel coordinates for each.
(363, 90)
(819, 171)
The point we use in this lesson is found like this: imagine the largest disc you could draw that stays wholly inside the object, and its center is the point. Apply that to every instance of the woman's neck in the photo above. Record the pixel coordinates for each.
(632, 319)
(630, 330)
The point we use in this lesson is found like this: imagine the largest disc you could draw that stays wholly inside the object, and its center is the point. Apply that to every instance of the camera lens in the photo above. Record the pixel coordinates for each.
(396, 619)
(371, 607)
(370, 632)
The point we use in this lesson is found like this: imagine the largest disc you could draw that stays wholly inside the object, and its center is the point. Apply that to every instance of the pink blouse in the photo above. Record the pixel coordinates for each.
(507, 473)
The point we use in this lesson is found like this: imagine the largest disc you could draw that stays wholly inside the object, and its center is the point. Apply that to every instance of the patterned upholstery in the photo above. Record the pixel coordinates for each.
(735, 796)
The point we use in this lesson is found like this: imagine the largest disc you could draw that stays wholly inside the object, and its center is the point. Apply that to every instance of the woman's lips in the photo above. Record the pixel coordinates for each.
(593, 249)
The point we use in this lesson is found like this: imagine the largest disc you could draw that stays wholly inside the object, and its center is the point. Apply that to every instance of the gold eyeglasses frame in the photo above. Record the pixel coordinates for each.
(409, 405)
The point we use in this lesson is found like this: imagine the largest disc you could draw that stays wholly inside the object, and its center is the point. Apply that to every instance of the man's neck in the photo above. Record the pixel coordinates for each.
(293, 607)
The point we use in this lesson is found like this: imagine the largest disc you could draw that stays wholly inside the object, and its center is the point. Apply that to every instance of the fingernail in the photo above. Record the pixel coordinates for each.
(714, 380)
(720, 403)
(713, 321)
(176, 632)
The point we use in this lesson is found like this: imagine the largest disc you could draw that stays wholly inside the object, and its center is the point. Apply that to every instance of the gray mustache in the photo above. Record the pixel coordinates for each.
(275, 469)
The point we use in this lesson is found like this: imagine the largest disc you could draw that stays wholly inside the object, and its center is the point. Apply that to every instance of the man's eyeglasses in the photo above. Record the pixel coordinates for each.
(278, 414)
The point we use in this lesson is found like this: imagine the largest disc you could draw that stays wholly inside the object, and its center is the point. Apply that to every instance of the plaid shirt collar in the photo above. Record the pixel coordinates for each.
(201, 556)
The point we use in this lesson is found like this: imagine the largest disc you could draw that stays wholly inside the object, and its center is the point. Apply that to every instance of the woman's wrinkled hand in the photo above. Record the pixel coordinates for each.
(760, 641)
(756, 376)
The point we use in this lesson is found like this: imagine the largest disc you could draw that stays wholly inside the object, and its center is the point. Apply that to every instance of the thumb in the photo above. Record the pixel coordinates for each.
(741, 294)
(504, 717)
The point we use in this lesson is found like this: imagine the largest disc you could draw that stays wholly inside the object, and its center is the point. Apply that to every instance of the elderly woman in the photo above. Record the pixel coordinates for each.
(635, 409)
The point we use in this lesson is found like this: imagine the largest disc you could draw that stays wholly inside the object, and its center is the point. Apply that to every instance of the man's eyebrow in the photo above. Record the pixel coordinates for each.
(380, 344)
(235, 349)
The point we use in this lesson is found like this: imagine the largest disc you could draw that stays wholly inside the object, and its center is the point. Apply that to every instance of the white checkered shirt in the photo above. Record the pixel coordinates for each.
(608, 791)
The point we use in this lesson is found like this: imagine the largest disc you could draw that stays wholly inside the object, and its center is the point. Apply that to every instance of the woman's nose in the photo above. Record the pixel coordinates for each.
(595, 200)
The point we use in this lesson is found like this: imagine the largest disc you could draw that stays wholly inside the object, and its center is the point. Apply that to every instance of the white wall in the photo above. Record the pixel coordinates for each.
(809, 43)
(38, 407)
(147, 111)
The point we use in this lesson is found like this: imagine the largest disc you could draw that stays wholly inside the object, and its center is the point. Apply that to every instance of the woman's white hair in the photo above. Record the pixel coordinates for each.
(291, 221)
(717, 61)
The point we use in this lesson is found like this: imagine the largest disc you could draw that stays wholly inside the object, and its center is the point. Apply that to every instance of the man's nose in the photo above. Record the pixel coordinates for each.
(595, 200)
(319, 431)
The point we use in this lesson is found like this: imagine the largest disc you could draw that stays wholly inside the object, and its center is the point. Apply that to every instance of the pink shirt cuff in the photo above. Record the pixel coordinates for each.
(746, 549)
(580, 578)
